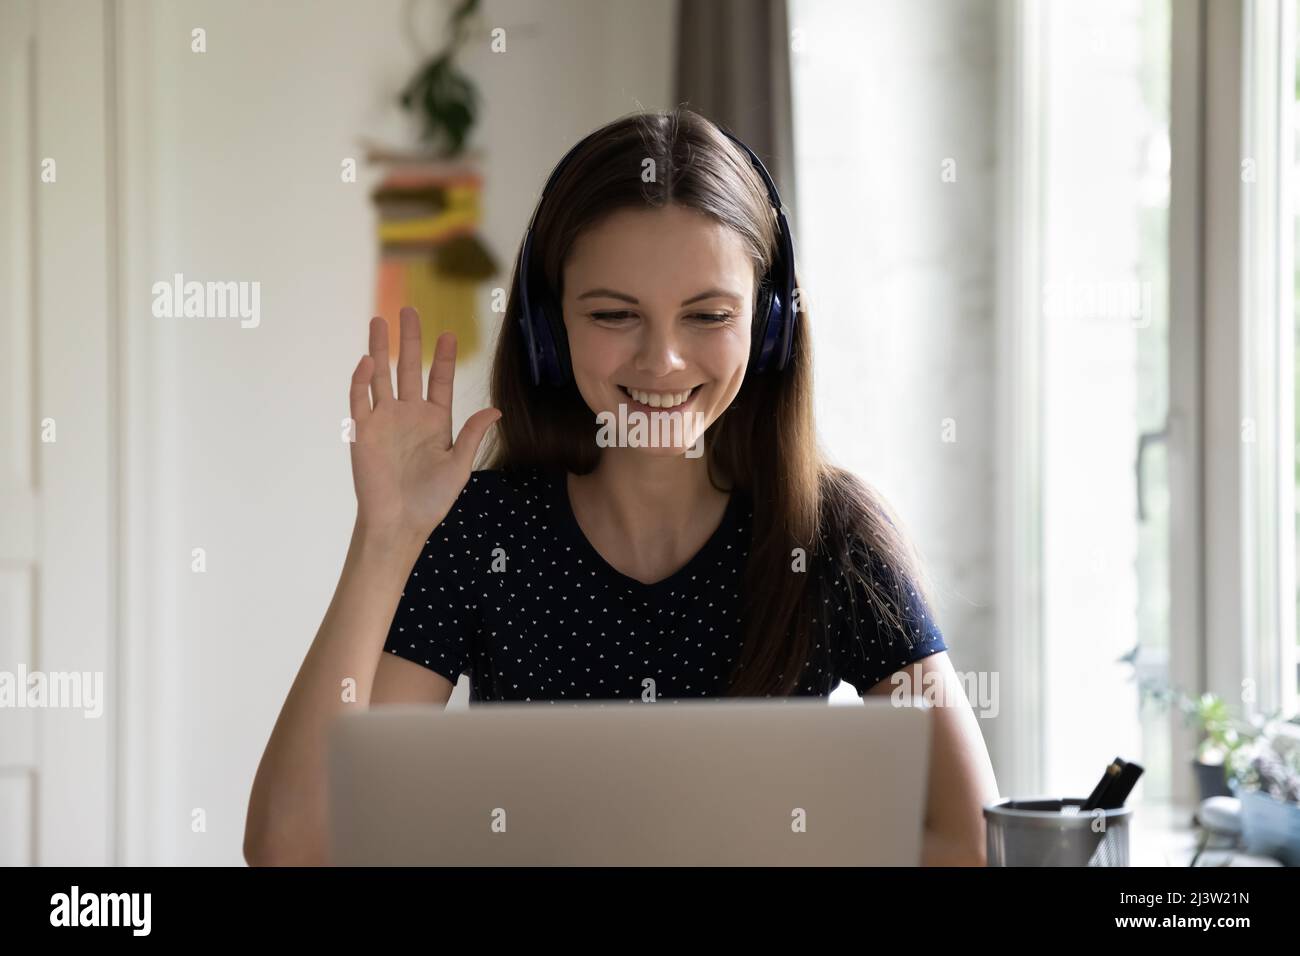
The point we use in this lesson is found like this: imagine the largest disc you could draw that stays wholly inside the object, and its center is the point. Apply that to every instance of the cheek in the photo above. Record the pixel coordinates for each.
(730, 355)
(593, 352)
(596, 356)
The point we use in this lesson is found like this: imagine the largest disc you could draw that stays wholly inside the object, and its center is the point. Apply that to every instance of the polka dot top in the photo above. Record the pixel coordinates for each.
(509, 589)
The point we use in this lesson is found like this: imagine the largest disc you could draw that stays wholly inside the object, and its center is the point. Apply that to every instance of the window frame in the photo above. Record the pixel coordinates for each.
(1232, 568)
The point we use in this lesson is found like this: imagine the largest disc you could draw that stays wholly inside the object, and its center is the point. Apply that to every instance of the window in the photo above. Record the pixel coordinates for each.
(1268, 342)
(1104, 177)
(1119, 509)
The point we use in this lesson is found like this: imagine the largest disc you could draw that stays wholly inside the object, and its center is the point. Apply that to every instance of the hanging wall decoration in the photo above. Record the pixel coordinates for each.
(428, 204)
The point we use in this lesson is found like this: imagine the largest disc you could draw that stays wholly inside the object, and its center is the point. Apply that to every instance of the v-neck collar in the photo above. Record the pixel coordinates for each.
(559, 484)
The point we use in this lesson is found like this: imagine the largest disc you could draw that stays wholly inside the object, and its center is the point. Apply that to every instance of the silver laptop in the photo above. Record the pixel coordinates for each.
(695, 783)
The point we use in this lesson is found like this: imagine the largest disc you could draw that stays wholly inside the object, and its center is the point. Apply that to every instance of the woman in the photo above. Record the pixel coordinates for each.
(594, 563)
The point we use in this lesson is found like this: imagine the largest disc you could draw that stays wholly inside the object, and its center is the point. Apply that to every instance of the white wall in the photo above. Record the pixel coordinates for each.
(232, 161)
(899, 266)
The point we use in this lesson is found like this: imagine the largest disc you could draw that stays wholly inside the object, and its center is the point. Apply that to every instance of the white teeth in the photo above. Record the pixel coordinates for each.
(660, 399)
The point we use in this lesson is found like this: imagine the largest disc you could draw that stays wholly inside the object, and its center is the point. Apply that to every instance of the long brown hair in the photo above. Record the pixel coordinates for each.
(764, 444)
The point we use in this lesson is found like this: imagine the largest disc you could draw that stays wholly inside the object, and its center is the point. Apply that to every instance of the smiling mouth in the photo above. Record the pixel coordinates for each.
(667, 401)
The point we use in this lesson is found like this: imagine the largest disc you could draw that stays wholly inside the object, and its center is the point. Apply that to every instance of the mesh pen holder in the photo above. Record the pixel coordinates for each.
(1047, 832)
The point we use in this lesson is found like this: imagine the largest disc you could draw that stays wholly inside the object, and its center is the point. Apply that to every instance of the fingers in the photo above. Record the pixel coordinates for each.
(471, 436)
(381, 378)
(408, 357)
(359, 391)
(443, 372)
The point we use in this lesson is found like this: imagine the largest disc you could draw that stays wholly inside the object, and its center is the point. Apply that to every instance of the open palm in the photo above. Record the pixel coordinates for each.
(406, 469)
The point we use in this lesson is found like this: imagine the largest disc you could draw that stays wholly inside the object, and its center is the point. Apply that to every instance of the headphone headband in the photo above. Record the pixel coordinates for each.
(544, 336)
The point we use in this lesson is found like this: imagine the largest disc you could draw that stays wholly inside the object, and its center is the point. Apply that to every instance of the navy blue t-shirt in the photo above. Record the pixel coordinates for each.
(509, 589)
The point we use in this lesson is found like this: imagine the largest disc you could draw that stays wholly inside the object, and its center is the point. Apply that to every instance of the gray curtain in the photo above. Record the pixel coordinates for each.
(733, 65)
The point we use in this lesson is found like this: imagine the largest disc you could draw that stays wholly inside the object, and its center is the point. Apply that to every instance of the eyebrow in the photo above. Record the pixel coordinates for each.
(623, 296)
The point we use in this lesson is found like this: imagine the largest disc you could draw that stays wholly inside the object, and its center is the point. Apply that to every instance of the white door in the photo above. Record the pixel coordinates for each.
(58, 432)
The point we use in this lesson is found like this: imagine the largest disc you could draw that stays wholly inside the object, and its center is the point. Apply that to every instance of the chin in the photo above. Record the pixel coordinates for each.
(660, 452)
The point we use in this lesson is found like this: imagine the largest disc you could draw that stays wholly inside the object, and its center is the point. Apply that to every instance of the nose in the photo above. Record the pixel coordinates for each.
(659, 351)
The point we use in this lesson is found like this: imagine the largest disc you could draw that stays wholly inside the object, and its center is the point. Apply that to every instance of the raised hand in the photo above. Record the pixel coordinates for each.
(406, 469)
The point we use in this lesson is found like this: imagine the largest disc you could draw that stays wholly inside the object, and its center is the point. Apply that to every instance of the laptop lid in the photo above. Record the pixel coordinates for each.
(713, 782)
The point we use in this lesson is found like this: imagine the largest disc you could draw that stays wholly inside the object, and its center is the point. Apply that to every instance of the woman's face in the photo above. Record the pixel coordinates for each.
(657, 307)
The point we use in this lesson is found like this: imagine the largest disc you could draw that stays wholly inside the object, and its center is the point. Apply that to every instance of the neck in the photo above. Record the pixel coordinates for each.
(648, 497)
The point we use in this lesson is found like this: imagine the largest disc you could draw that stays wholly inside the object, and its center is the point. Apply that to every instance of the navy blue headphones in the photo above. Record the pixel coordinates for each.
(543, 323)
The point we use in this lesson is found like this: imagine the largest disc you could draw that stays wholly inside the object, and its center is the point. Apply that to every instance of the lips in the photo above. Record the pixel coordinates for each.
(669, 401)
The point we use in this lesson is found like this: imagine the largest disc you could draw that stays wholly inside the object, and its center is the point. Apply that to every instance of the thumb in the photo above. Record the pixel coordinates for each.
(471, 435)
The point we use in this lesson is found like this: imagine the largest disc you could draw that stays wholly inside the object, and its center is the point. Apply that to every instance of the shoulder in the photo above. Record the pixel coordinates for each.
(857, 536)
(496, 501)
(869, 560)
(496, 509)
(505, 490)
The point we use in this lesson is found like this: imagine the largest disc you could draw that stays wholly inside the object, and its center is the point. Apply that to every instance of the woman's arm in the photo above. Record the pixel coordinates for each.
(961, 778)
(407, 473)
(287, 815)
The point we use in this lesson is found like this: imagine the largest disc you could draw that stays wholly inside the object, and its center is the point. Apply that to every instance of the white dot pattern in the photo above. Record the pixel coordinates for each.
(560, 623)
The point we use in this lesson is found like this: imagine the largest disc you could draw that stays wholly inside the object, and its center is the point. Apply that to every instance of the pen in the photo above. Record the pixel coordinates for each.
(1097, 797)
(1121, 786)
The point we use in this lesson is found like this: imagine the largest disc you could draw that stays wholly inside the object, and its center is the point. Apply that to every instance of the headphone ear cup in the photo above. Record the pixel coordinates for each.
(763, 319)
(558, 370)
(781, 330)
(530, 320)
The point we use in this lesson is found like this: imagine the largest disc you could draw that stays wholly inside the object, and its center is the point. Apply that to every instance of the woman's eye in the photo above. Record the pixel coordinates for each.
(707, 317)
